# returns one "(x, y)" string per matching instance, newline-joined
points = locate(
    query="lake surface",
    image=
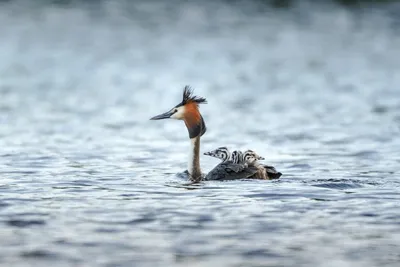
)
(86, 179)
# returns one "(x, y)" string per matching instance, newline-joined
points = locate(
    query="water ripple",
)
(24, 223)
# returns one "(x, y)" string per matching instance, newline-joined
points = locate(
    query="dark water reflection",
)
(87, 180)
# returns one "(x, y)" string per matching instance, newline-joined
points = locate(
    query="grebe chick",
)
(221, 153)
(237, 157)
(225, 155)
(265, 172)
(251, 157)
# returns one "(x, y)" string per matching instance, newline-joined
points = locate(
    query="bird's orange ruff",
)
(192, 115)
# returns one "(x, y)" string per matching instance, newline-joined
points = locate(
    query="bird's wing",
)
(234, 167)
(230, 171)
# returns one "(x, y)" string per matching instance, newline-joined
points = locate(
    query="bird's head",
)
(188, 111)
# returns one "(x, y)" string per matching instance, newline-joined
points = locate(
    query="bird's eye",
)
(175, 110)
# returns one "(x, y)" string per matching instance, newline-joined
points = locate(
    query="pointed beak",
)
(165, 115)
(207, 153)
(261, 158)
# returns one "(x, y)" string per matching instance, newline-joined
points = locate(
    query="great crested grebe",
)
(188, 111)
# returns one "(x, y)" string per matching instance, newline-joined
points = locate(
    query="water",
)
(88, 180)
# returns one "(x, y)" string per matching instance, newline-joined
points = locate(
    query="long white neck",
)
(194, 159)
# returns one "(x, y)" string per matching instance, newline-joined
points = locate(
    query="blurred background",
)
(86, 179)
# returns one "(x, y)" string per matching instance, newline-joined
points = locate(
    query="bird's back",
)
(230, 171)
(272, 173)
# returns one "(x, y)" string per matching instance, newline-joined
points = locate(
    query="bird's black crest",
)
(189, 97)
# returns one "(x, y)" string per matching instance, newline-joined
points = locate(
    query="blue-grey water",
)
(86, 179)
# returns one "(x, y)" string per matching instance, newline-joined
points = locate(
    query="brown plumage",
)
(192, 116)
(193, 120)
(265, 172)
